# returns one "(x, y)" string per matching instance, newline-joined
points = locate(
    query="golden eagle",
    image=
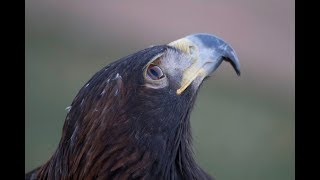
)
(132, 118)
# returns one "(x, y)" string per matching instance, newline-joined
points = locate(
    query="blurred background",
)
(243, 127)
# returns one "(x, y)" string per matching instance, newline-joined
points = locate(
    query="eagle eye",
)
(154, 72)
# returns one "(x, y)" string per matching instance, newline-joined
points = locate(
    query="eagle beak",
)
(207, 52)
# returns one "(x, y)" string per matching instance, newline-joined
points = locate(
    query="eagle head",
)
(131, 120)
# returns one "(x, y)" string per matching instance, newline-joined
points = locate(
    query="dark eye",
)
(154, 72)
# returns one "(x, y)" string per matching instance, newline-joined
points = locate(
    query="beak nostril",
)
(191, 50)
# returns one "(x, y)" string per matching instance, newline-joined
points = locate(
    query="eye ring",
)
(154, 72)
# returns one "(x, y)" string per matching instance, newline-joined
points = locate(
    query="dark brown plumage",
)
(130, 122)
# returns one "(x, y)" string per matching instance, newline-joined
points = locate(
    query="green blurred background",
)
(243, 127)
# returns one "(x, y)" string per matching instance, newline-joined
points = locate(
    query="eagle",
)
(131, 120)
